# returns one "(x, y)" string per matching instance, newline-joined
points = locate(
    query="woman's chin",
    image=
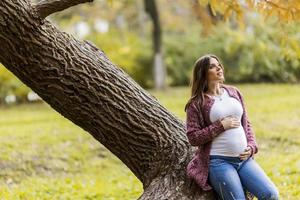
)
(219, 80)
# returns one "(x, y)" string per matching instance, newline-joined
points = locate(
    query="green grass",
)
(44, 156)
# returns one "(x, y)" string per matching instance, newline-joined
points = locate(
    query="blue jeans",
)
(229, 176)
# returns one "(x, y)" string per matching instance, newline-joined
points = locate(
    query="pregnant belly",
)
(231, 142)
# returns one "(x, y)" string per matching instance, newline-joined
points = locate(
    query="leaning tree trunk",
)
(79, 81)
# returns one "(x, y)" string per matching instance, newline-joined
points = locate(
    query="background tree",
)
(159, 69)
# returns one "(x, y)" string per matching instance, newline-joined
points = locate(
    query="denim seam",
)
(221, 191)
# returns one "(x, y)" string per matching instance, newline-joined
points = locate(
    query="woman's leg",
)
(225, 180)
(255, 180)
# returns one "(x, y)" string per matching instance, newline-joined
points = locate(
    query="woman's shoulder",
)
(234, 91)
(231, 87)
(192, 103)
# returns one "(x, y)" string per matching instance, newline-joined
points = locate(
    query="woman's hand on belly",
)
(230, 122)
(246, 153)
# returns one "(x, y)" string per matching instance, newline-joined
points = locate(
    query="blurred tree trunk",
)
(159, 68)
(76, 79)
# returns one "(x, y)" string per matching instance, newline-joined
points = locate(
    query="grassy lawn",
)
(44, 156)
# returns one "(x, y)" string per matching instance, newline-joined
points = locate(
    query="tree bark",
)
(78, 80)
(47, 7)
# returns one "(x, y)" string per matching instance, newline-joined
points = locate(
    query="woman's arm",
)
(247, 126)
(196, 132)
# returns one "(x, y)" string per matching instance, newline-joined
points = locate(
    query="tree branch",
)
(47, 7)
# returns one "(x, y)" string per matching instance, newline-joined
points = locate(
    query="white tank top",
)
(233, 141)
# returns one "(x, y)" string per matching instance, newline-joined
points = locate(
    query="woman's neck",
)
(214, 89)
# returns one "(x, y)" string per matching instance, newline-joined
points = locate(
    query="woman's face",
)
(215, 71)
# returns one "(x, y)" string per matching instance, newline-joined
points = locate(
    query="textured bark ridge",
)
(76, 79)
(47, 7)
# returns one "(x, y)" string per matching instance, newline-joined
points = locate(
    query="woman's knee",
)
(270, 194)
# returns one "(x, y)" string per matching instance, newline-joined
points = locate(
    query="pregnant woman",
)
(218, 125)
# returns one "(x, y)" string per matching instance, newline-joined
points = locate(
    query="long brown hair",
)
(199, 83)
